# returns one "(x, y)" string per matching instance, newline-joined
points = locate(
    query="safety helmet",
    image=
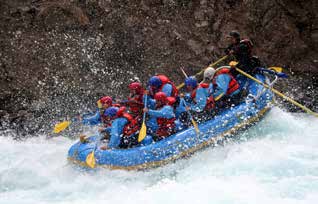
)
(171, 100)
(161, 96)
(106, 100)
(135, 86)
(191, 81)
(155, 81)
(111, 112)
(235, 34)
(208, 73)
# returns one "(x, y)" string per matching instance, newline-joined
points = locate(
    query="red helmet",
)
(136, 86)
(171, 100)
(161, 96)
(106, 100)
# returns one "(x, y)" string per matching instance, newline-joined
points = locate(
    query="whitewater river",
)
(275, 161)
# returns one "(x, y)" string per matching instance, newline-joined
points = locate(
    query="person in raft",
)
(223, 87)
(160, 83)
(123, 131)
(197, 99)
(161, 121)
(135, 99)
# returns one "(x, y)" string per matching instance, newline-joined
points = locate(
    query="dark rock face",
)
(59, 57)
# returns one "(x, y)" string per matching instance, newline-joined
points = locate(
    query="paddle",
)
(143, 129)
(61, 126)
(90, 159)
(210, 65)
(277, 92)
(195, 125)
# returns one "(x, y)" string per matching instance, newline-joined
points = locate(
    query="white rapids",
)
(275, 161)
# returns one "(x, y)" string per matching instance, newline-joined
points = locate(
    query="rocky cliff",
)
(58, 57)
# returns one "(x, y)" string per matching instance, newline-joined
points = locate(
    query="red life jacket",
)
(165, 80)
(106, 121)
(210, 100)
(166, 126)
(249, 45)
(135, 104)
(233, 85)
(116, 105)
(131, 127)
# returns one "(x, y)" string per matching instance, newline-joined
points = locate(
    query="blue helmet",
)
(191, 81)
(111, 111)
(155, 81)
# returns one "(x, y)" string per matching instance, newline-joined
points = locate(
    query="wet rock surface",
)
(58, 57)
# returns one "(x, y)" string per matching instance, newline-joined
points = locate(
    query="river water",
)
(275, 161)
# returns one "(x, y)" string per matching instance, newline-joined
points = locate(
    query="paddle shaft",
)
(278, 93)
(144, 115)
(195, 125)
(185, 74)
(211, 65)
(143, 130)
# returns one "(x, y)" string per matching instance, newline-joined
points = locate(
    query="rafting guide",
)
(163, 122)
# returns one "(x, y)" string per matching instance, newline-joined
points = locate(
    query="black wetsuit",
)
(243, 54)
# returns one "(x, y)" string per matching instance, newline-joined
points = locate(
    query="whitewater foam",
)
(275, 161)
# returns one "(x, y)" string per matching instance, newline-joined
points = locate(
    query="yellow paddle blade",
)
(99, 104)
(195, 125)
(233, 63)
(276, 69)
(90, 160)
(142, 132)
(61, 126)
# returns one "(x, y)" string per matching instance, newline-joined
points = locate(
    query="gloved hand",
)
(233, 64)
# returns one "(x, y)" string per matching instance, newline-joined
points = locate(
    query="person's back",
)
(198, 94)
(159, 83)
(224, 87)
(224, 83)
(242, 52)
(198, 101)
(135, 99)
(123, 130)
(102, 104)
(161, 122)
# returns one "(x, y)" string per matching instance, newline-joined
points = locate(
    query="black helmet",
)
(235, 34)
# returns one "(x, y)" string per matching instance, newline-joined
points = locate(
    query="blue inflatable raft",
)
(182, 143)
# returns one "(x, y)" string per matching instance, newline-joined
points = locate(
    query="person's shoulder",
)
(243, 45)
(167, 107)
(222, 76)
(167, 85)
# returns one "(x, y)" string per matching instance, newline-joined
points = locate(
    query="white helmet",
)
(209, 73)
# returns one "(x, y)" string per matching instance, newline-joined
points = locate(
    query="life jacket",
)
(116, 105)
(166, 126)
(132, 126)
(210, 104)
(233, 85)
(165, 80)
(135, 104)
(249, 45)
(106, 121)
